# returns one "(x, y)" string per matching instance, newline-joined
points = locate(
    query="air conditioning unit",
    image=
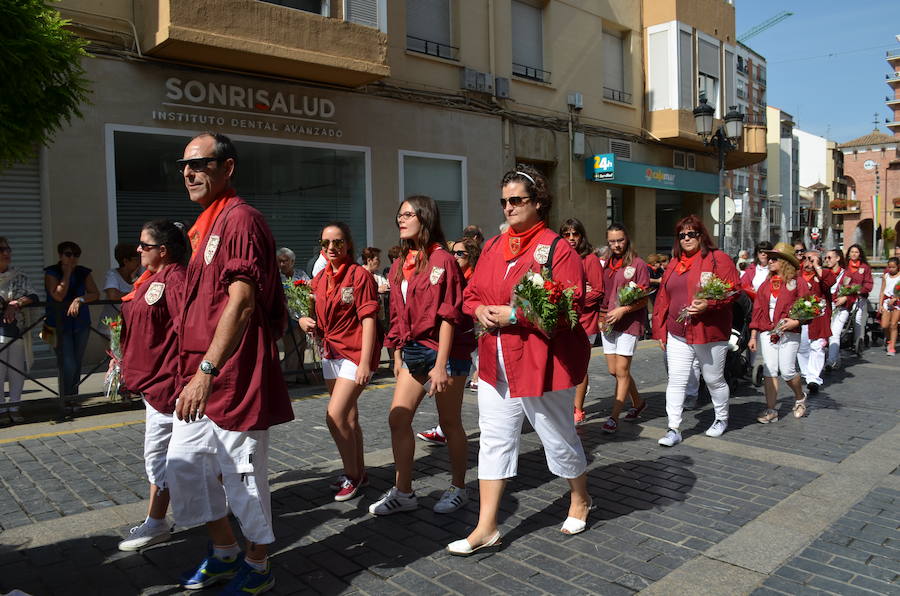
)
(621, 149)
(575, 100)
(501, 87)
(473, 80)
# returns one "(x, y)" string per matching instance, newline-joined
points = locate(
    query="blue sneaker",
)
(250, 581)
(211, 570)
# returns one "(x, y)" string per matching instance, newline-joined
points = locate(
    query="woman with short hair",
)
(523, 373)
(704, 334)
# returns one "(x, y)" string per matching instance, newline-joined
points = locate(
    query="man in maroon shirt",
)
(233, 389)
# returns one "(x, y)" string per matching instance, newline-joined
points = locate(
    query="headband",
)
(527, 176)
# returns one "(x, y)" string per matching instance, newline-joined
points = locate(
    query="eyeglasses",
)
(571, 234)
(685, 235)
(405, 215)
(338, 244)
(198, 164)
(460, 254)
(514, 201)
(145, 246)
(774, 259)
(70, 254)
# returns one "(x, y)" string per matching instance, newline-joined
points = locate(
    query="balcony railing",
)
(893, 53)
(530, 72)
(764, 171)
(616, 95)
(431, 48)
(893, 76)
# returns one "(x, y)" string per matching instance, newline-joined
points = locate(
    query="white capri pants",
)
(339, 368)
(14, 354)
(862, 316)
(680, 357)
(779, 357)
(619, 343)
(199, 452)
(811, 357)
(500, 420)
(157, 435)
(838, 320)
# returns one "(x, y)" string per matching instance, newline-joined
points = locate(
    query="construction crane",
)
(764, 25)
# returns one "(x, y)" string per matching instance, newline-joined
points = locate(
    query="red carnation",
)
(299, 282)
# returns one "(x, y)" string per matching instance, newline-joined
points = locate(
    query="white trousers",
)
(811, 357)
(693, 386)
(838, 320)
(157, 435)
(500, 420)
(14, 354)
(781, 357)
(680, 357)
(861, 318)
(200, 453)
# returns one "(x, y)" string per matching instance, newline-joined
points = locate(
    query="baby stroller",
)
(849, 341)
(739, 357)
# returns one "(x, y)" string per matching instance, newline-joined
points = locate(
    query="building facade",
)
(782, 171)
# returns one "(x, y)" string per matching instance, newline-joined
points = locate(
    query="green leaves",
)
(42, 83)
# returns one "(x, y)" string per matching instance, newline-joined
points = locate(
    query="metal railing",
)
(530, 72)
(892, 53)
(431, 48)
(616, 95)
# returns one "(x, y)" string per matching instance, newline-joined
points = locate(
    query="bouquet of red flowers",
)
(804, 309)
(545, 302)
(849, 289)
(112, 382)
(299, 298)
(628, 294)
(713, 288)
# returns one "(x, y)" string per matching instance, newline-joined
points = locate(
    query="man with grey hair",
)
(293, 344)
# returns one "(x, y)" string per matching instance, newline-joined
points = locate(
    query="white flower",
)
(808, 303)
(535, 279)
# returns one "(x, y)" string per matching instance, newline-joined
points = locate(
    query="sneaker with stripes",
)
(394, 502)
(452, 499)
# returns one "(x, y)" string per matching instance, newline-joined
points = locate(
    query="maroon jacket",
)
(638, 272)
(149, 338)
(820, 287)
(712, 325)
(339, 313)
(861, 277)
(534, 364)
(593, 296)
(432, 296)
(789, 293)
(249, 393)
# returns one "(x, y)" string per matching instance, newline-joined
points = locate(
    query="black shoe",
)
(813, 388)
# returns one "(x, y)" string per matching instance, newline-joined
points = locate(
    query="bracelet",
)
(512, 317)
(81, 299)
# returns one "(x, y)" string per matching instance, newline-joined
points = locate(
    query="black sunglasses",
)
(198, 164)
(460, 254)
(691, 234)
(338, 244)
(145, 246)
(773, 258)
(514, 201)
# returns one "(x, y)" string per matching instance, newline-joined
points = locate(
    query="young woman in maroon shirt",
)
(573, 232)
(346, 304)
(434, 343)
(149, 361)
(860, 273)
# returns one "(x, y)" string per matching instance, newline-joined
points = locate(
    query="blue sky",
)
(826, 63)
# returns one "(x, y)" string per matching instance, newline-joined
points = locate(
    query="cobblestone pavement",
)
(795, 507)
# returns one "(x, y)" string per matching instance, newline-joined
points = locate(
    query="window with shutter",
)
(371, 13)
(614, 67)
(441, 177)
(528, 41)
(685, 70)
(429, 28)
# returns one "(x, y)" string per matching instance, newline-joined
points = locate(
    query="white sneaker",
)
(452, 499)
(673, 437)
(718, 427)
(393, 502)
(146, 535)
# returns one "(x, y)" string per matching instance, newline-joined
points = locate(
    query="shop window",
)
(297, 188)
(429, 28)
(528, 41)
(441, 177)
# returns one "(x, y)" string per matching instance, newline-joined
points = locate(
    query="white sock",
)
(226, 553)
(257, 565)
(153, 523)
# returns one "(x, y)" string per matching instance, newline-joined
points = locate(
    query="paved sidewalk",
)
(804, 506)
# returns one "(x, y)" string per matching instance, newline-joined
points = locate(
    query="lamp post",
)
(724, 139)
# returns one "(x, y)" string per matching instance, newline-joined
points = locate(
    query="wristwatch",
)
(512, 317)
(209, 368)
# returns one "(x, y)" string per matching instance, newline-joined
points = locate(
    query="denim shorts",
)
(419, 360)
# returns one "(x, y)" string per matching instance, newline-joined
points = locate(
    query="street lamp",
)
(724, 139)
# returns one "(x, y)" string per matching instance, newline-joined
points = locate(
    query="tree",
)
(42, 83)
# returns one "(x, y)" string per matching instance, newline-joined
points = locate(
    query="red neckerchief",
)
(517, 243)
(147, 274)
(809, 275)
(409, 264)
(468, 272)
(333, 277)
(853, 266)
(775, 284)
(614, 265)
(685, 262)
(206, 220)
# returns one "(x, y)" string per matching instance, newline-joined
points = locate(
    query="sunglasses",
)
(338, 244)
(70, 254)
(686, 235)
(571, 234)
(145, 246)
(514, 201)
(198, 164)
(460, 254)
(774, 259)
(5, 250)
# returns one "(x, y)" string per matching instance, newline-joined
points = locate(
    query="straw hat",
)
(785, 251)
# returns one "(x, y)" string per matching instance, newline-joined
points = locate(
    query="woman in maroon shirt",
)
(346, 304)
(149, 361)
(704, 335)
(622, 324)
(859, 272)
(434, 343)
(574, 233)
